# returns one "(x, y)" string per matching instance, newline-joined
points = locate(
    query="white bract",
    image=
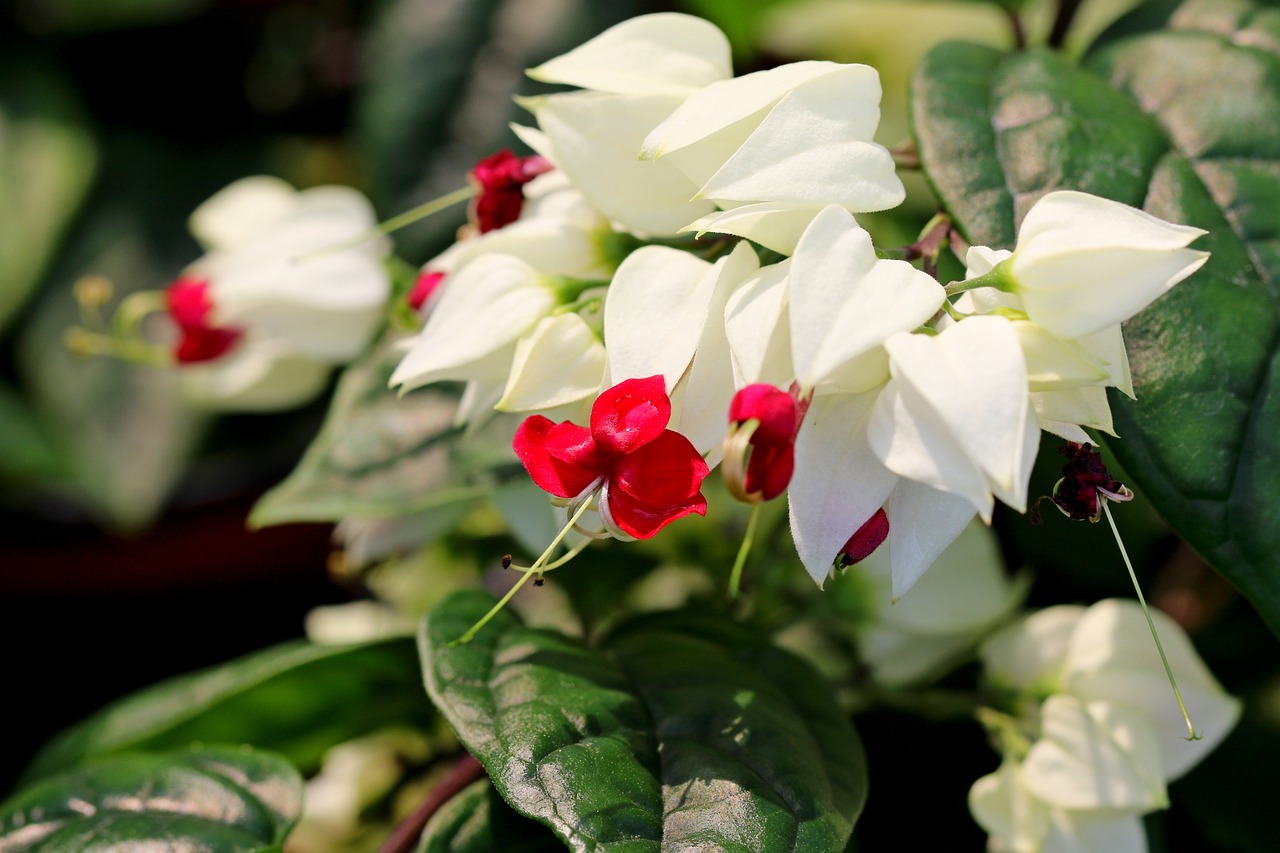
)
(1106, 732)
(289, 271)
(1083, 263)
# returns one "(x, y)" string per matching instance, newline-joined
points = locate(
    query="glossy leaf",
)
(684, 731)
(383, 455)
(297, 699)
(478, 820)
(1180, 121)
(219, 799)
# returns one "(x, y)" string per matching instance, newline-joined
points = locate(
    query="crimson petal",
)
(631, 414)
(667, 472)
(561, 458)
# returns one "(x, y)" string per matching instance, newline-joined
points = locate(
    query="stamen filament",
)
(1192, 734)
(536, 568)
(735, 577)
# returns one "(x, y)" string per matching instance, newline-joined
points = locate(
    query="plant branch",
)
(1062, 23)
(406, 835)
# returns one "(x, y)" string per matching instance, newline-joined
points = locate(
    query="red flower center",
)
(425, 285)
(189, 307)
(1085, 482)
(502, 176)
(648, 475)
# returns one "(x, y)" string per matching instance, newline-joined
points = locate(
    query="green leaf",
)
(222, 799)
(297, 699)
(383, 455)
(28, 453)
(478, 820)
(1182, 123)
(685, 731)
(47, 162)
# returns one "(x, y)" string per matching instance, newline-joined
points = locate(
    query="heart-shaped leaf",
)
(1180, 121)
(383, 455)
(684, 731)
(297, 699)
(221, 799)
(478, 820)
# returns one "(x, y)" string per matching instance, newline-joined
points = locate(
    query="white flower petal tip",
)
(1083, 263)
(664, 52)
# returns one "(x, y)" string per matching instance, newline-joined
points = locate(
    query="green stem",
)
(536, 568)
(735, 577)
(1146, 611)
(995, 278)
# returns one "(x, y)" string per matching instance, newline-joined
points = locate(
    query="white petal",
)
(1054, 363)
(758, 330)
(1064, 412)
(774, 225)
(1002, 805)
(596, 137)
(1095, 756)
(240, 211)
(709, 387)
(1090, 832)
(922, 523)
(980, 260)
(815, 147)
(1067, 218)
(958, 417)
(654, 313)
(555, 245)
(838, 482)
(484, 308)
(665, 52)
(1028, 656)
(256, 376)
(1113, 658)
(845, 302)
(1108, 345)
(558, 362)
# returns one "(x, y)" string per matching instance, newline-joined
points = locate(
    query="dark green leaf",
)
(1181, 122)
(382, 455)
(297, 699)
(684, 731)
(478, 820)
(28, 452)
(47, 161)
(224, 800)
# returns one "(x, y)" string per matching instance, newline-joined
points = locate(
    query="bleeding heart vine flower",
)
(287, 290)
(759, 456)
(1083, 263)
(646, 475)
(501, 177)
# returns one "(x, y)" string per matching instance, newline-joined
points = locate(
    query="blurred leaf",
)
(28, 453)
(47, 162)
(739, 20)
(224, 800)
(478, 820)
(383, 455)
(296, 699)
(684, 730)
(127, 430)
(1180, 122)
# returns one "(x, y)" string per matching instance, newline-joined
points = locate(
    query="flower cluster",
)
(1092, 737)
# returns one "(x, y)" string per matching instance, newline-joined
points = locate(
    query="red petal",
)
(502, 176)
(773, 407)
(425, 285)
(868, 538)
(561, 458)
(189, 306)
(631, 414)
(666, 470)
(641, 521)
(769, 470)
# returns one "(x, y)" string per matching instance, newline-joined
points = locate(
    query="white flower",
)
(963, 596)
(956, 416)
(287, 290)
(1084, 263)
(1107, 730)
(634, 75)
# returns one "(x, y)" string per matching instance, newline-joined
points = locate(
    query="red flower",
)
(425, 285)
(771, 445)
(647, 475)
(868, 537)
(502, 177)
(189, 306)
(1085, 484)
